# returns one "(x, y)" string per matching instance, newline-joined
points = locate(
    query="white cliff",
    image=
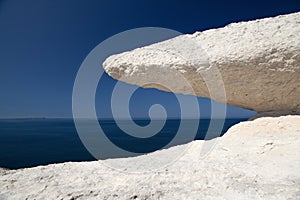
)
(259, 63)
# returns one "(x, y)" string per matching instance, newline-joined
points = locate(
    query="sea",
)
(41, 141)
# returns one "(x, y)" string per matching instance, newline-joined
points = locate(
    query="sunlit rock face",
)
(258, 61)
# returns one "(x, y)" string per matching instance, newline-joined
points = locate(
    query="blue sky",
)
(43, 43)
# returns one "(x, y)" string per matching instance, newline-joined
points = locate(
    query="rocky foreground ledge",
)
(257, 159)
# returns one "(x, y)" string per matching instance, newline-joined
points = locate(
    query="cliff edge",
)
(258, 62)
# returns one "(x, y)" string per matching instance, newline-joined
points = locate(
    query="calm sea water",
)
(32, 142)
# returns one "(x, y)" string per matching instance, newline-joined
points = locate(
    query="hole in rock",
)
(42, 141)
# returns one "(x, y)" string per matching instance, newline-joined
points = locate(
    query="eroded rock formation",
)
(259, 63)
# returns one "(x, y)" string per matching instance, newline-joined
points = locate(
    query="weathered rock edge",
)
(259, 62)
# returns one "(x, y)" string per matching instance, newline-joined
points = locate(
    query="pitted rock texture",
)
(259, 63)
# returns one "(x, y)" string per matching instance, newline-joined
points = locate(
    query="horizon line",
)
(134, 118)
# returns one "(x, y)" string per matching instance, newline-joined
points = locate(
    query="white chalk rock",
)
(259, 64)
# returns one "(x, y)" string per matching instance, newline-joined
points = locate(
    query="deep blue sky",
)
(43, 43)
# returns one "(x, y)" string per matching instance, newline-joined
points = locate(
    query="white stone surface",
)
(257, 159)
(259, 62)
